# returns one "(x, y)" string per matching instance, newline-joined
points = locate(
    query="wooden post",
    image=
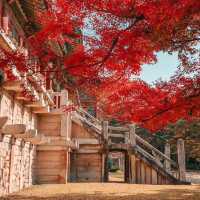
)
(64, 117)
(106, 136)
(103, 167)
(64, 98)
(106, 169)
(127, 168)
(133, 169)
(168, 154)
(105, 130)
(132, 135)
(127, 138)
(181, 159)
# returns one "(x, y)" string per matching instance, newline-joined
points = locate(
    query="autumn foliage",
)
(117, 38)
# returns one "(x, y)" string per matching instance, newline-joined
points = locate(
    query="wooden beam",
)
(87, 141)
(13, 86)
(36, 104)
(120, 129)
(41, 110)
(3, 121)
(14, 129)
(51, 148)
(88, 151)
(117, 135)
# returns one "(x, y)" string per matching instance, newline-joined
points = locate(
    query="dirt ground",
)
(109, 191)
(116, 176)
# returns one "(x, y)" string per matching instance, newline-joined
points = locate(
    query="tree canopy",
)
(116, 39)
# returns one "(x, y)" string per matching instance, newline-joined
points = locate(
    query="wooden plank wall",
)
(143, 173)
(51, 167)
(78, 131)
(86, 163)
(86, 168)
(49, 125)
(53, 158)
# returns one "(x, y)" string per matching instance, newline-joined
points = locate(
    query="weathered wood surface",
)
(87, 141)
(88, 167)
(181, 159)
(132, 135)
(45, 167)
(138, 138)
(167, 164)
(50, 125)
(144, 173)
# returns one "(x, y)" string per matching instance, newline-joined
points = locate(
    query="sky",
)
(164, 68)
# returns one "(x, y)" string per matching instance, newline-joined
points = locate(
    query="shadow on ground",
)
(164, 194)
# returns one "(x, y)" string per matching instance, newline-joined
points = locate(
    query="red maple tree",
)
(118, 38)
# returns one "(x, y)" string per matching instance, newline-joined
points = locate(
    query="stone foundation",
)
(16, 164)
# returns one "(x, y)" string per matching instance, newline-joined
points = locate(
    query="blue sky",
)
(164, 68)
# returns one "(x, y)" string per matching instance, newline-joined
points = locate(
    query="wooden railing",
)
(127, 135)
(60, 100)
(90, 120)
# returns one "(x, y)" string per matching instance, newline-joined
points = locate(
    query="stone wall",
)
(16, 112)
(17, 157)
(16, 164)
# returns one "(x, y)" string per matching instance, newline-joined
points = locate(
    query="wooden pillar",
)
(102, 167)
(127, 168)
(133, 169)
(64, 98)
(106, 169)
(181, 159)
(168, 154)
(132, 135)
(64, 117)
(106, 151)
(105, 130)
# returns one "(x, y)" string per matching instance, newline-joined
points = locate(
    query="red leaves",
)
(123, 36)
(153, 108)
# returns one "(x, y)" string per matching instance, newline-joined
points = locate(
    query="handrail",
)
(97, 129)
(155, 150)
(141, 150)
(82, 111)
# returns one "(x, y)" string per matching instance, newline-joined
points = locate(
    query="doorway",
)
(116, 166)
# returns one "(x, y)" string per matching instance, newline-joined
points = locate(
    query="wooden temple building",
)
(42, 144)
